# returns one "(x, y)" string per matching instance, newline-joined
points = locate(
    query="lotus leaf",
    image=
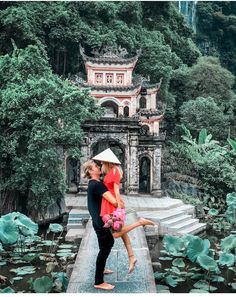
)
(228, 243)
(231, 213)
(175, 270)
(19, 262)
(178, 263)
(55, 228)
(24, 270)
(165, 258)
(159, 275)
(42, 284)
(66, 254)
(226, 259)
(2, 263)
(198, 291)
(49, 242)
(1, 248)
(187, 238)
(161, 288)
(31, 257)
(61, 277)
(207, 263)
(7, 290)
(66, 246)
(197, 276)
(171, 281)
(217, 279)
(231, 198)
(17, 278)
(213, 212)
(204, 285)
(26, 225)
(8, 232)
(173, 244)
(197, 247)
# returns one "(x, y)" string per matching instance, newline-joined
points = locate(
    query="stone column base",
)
(157, 193)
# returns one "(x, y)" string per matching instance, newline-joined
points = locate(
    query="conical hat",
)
(107, 156)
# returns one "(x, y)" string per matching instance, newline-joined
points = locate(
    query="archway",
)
(111, 109)
(117, 149)
(143, 102)
(144, 175)
(126, 111)
(72, 176)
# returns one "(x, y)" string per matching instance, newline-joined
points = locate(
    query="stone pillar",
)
(156, 181)
(83, 184)
(121, 110)
(133, 166)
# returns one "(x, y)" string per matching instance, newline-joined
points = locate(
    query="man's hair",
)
(87, 166)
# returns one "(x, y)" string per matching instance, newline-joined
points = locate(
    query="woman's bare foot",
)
(107, 271)
(145, 222)
(104, 286)
(132, 262)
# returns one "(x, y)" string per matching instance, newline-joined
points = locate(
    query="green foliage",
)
(205, 97)
(213, 164)
(40, 118)
(207, 263)
(197, 247)
(216, 29)
(202, 259)
(204, 113)
(42, 284)
(226, 259)
(55, 228)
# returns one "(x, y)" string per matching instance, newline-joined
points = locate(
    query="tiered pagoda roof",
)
(110, 56)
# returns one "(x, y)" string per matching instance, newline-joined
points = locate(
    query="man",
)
(97, 190)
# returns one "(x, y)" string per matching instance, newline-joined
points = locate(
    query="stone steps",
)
(193, 229)
(172, 215)
(178, 220)
(73, 234)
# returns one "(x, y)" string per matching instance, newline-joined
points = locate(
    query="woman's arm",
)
(120, 201)
(110, 198)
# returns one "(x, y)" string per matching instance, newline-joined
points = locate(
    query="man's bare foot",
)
(104, 286)
(145, 222)
(107, 271)
(132, 262)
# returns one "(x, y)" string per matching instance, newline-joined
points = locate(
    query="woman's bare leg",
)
(128, 246)
(126, 229)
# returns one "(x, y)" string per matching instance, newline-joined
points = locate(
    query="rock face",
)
(53, 212)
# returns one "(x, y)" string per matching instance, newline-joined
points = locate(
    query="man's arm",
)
(109, 197)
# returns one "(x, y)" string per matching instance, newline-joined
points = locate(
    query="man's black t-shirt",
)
(95, 191)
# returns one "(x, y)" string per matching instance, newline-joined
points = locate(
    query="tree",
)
(204, 113)
(40, 118)
(206, 79)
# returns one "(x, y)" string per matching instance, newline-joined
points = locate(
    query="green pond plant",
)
(193, 258)
(20, 245)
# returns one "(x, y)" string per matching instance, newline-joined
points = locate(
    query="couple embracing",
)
(104, 202)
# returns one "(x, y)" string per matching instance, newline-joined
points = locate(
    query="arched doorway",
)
(72, 176)
(117, 149)
(111, 109)
(144, 175)
(126, 111)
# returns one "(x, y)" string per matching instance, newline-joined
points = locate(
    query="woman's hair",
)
(106, 166)
(87, 166)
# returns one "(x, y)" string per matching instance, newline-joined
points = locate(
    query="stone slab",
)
(140, 281)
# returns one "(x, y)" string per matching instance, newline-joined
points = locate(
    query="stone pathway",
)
(140, 281)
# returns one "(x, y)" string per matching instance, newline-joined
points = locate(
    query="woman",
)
(113, 174)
